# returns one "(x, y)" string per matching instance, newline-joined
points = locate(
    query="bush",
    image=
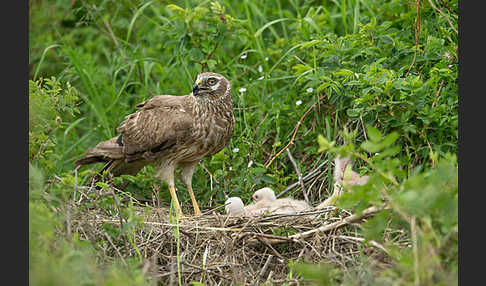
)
(298, 69)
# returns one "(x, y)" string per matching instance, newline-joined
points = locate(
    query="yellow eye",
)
(212, 81)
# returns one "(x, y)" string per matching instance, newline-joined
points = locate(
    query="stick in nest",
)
(325, 228)
(299, 175)
(264, 269)
(306, 178)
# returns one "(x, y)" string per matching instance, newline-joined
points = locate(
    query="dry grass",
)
(216, 249)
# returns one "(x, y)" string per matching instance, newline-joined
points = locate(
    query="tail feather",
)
(121, 167)
(103, 152)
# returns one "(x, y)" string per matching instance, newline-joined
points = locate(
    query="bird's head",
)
(211, 85)
(234, 205)
(264, 194)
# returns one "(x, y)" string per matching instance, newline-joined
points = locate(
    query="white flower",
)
(298, 102)
(230, 168)
(260, 78)
(260, 68)
(242, 90)
(236, 150)
(250, 163)
(309, 90)
(266, 59)
(243, 56)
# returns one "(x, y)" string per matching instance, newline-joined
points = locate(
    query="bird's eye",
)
(212, 81)
(256, 197)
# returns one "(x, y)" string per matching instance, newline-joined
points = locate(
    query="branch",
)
(299, 175)
(295, 132)
(305, 179)
(443, 14)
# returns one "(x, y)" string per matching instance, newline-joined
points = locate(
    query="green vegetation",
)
(374, 79)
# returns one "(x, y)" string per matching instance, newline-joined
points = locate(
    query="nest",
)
(216, 249)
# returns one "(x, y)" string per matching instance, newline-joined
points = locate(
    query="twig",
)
(348, 220)
(299, 175)
(191, 226)
(304, 213)
(207, 171)
(264, 235)
(305, 178)
(447, 7)
(207, 270)
(264, 241)
(360, 239)
(295, 132)
(211, 210)
(264, 269)
(205, 64)
(113, 38)
(443, 14)
(116, 248)
(437, 94)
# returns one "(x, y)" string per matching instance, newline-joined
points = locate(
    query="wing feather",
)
(161, 122)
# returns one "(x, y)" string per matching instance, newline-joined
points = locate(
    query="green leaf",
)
(260, 31)
(324, 144)
(374, 134)
(371, 147)
(103, 185)
(390, 139)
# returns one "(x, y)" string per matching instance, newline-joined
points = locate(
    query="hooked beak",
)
(195, 89)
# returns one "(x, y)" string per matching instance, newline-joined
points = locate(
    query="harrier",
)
(171, 132)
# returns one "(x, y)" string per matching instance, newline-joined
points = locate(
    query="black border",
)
(15, 140)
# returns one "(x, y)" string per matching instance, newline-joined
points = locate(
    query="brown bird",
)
(171, 132)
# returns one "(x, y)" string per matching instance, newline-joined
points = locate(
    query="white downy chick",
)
(265, 199)
(234, 206)
(346, 176)
(343, 176)
(262, 201)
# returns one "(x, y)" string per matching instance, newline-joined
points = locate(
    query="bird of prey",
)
(171, 132)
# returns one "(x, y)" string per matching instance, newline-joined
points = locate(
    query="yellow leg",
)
(176, 202)
(194, 202)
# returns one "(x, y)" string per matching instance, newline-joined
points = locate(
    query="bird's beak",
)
(195, 87)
